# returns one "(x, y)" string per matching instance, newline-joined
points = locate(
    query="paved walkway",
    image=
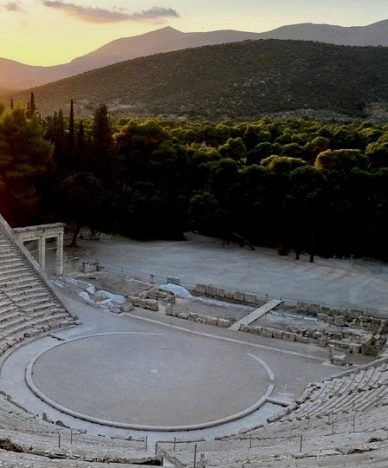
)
(255, 315)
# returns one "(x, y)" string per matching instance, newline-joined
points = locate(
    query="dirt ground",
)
(349, 283)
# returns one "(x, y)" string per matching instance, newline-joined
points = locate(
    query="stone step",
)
(5, 316)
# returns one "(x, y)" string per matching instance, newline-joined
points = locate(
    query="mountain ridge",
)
(241, 80)
(15, 75)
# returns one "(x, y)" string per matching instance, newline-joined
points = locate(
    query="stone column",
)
(42, 252)
(60, 254)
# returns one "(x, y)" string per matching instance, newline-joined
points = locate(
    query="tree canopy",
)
(290, 184)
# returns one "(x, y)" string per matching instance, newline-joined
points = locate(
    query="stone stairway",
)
(28, 305)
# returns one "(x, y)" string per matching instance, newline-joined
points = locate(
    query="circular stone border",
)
(138, 427)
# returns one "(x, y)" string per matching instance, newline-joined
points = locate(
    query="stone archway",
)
(41, 233)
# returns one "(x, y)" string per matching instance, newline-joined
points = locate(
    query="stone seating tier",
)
(337, 416)
(27, 305)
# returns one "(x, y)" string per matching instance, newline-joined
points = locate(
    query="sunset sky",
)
(47, 32)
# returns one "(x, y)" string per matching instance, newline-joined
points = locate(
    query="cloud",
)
(156, 13)
(101, 15)
(13, 6)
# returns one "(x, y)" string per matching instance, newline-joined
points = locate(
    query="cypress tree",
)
(71, 129)
(102, 143)
(31, 107)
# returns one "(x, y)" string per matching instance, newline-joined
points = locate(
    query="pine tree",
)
(25, 157)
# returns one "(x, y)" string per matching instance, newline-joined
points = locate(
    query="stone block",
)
(302, 339)
(200, 289)
(323, 342)
(287, 336)
(173, 280)
(223, 323)
(323, 317)
(220, 293)
(152, 305)
(277, 333)
(313, 308)
(334, 312)
(267, 332)
(183, 315)
(316, 335)
(339, 320)
(354, 348)
(364, 321)
(229, 295)
(169, 299)
(338, 359)
(211, 291)
(89, 267)
(250, 298)
(238, 296)
(152, 294)
(354, 313)
(128, 307)
(212, 321)
(375, 323)
(134, 300)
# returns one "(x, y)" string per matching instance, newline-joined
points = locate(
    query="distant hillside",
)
(16, 75)
(239, 80)
(6, 91)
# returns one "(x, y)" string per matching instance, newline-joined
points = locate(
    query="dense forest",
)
(294, 184)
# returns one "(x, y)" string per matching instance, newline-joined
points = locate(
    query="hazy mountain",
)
(240, 80)
(373, 35)
(162, 40)
(15, 75)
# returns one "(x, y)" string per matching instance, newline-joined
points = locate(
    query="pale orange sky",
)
(48, 32)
